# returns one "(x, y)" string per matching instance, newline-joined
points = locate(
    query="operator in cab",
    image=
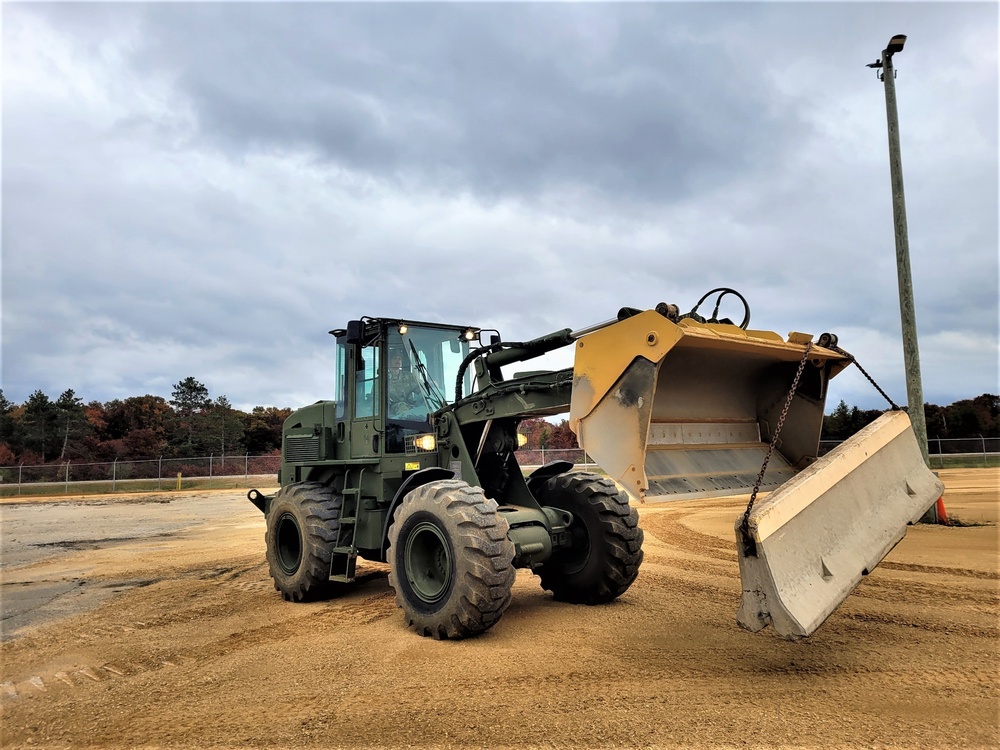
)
(406, 395)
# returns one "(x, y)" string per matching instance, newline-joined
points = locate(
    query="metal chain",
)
(864, 372)
(745, 525)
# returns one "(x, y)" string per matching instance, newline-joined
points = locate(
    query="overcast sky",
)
(206, 189)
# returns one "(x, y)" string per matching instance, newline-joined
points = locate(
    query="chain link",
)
(864, 372)
(745, 525)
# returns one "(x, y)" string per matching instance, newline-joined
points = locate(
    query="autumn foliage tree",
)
(192, 423)
(544, 435)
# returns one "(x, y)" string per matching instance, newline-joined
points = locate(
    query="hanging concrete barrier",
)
(810, 542)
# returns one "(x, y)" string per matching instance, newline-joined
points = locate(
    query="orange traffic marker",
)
(942, 514)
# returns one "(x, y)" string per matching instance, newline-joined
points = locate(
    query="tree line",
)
(968, 418)
(191, 423)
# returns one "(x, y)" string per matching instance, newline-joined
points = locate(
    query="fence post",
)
(246, 466)
(985, 462)
(114, 474)
(66, 489)
(19, 468)
(159, 471)
(210, 455)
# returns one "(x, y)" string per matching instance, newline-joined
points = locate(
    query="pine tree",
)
(190, 400)
(72, 417)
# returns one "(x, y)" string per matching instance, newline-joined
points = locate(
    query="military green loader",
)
(413, 462)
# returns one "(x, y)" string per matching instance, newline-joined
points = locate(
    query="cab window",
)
(340, 377)
(366, 384)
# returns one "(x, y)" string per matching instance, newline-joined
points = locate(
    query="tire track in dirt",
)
(84, 675)
(668, 528)
(698, 563)
(674, 578)
(892, 590)
(350, 610)
(909, 622)
(981, 678)
(986, 575)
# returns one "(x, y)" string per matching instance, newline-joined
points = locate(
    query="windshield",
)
(423, 365)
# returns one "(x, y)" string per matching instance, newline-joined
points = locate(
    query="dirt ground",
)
(151, 621)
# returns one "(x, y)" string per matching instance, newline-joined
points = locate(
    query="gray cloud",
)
(489, 98)
(205, 189)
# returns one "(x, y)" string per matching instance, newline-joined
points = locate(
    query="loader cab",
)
(393, 375)
(422, 363)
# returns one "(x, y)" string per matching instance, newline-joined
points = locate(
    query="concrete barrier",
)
(813, 539)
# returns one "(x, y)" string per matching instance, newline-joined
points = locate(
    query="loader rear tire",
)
(607, 541)
(302, 526)
(450, 560)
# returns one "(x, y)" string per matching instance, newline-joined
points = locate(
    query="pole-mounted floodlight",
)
(896, 44)
(908, 320)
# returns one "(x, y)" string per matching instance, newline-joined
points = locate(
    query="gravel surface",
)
(150, 621)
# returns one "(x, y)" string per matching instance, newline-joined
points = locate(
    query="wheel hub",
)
(428, 562)
(576, 557)
(289, 544)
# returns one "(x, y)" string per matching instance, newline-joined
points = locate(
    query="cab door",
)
(366, 433)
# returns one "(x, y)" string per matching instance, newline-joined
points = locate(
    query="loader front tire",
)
(604, 558)
(302, 526)
(450, 560)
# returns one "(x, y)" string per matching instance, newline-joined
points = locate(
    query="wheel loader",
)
(413, 463)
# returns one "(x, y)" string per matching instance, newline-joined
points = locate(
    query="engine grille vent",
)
(300, 448)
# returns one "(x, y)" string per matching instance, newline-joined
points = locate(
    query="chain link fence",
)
(230, 472)
(529, 459)
(948, 453)
(218, 472)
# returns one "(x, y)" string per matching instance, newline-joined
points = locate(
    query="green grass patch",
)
(55, 489)
(985, 461)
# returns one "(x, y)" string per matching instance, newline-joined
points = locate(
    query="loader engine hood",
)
(687, 410)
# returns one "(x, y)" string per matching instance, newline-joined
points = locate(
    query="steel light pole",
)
(908, 319)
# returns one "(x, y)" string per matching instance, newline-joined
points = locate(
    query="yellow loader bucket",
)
(686, 410)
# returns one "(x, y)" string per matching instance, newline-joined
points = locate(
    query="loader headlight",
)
(469, 334)
(425, 443)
